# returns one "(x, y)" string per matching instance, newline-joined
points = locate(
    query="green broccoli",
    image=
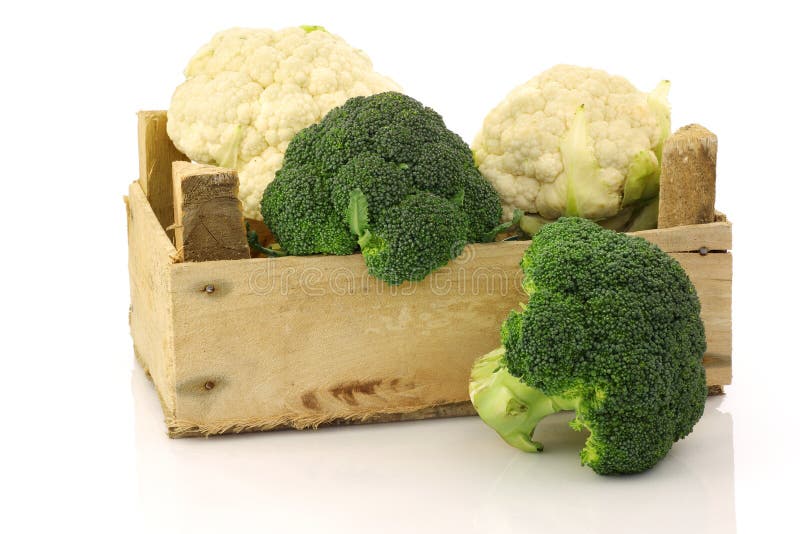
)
(611, 330)
(390, 161)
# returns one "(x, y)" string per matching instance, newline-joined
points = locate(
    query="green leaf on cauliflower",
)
(581, 168)
(657, 101)
(642, 180)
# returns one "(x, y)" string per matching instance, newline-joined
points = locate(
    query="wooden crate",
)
(258, 344)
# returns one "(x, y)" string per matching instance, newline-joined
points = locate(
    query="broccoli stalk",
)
(510, 406)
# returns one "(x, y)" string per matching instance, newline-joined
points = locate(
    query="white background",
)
(85, 448)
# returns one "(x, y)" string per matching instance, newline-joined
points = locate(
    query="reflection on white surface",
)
(442, 475)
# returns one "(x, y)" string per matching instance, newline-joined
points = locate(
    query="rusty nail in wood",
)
(209, 288)
(209, 385)
(703, 251)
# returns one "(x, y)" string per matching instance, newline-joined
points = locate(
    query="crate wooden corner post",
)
(703, 238)
(151, 255)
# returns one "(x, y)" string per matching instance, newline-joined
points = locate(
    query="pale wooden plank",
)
(711, 276)
(303, 341)
(716, 236)
(209, 224)
(149, 260)
(156, 154)
(455, 409)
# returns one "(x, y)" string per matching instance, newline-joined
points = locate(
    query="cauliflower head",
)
(248, 91)
(578, 142)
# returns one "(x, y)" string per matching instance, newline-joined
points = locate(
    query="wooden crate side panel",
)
(712, 276)
(279, 342)
(149, 262)
(713, 236)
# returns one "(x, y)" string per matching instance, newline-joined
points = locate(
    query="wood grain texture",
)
(456, 409)
(150, 256)
(302, 341)
(688, 177)
(711, 276)
(209, 224)
(305, 341)
(716, 236)
(156, 154)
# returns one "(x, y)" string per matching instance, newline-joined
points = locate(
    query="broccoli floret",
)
(416, 237)
(611, 330)
(305, 190)
(425, 199)
(383, 183)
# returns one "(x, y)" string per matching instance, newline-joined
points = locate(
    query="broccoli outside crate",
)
(257, 344)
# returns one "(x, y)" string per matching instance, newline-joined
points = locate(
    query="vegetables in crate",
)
(384, 174)
(248, 91)
(578, 142)
(611, 330)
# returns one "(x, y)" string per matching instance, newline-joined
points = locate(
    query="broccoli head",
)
(611, 330)
(392, 162)
(421, 226)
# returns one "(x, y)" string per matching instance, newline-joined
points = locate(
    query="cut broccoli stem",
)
(510, 406)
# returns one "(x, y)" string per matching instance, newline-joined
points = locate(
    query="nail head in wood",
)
(703, 251)
(209, 385)
(209, 288)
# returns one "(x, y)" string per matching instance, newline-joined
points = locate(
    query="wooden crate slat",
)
(156, 154)
(260, 340)
(291, 336)
(716, 236)
(150, 256)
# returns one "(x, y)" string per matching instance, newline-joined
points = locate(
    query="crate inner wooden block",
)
(263, 343)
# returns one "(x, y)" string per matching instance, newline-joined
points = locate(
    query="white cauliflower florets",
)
(248, 91)
(567, 141)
